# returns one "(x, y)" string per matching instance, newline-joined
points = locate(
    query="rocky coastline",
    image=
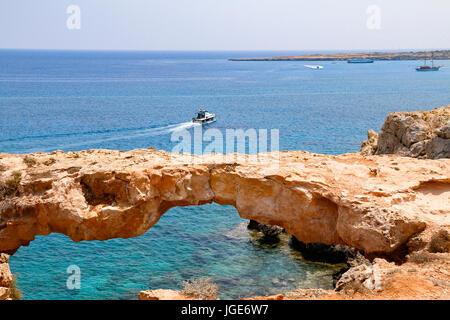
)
(375, 56)
(418, 134)
(386, 215)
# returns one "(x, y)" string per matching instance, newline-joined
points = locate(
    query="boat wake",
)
(183, 126)
(157, 131)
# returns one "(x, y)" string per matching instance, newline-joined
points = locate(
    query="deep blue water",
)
(125, 100)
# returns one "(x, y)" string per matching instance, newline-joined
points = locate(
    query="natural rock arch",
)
(370, 203)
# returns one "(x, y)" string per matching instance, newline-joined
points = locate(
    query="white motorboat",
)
(204, 116)
(313, 66)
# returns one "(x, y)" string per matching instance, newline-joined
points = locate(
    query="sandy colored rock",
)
(420, 134)
(6, 278)
(272, 297)
(4, 293)
(377, 204)
(370, 146)
(162, 294)
(370, 203)
(382, 280)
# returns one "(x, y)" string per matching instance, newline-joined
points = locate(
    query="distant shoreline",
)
(376, 56)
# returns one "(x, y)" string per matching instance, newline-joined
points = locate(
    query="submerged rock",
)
(270, 233)
(254, 225)
(319, 252)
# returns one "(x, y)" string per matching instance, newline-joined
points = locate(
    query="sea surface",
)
(52, 100)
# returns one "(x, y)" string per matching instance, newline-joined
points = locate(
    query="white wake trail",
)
(137, 134)
(184, 126)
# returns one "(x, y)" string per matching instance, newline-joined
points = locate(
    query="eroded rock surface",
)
(419, 134)
(374, 204)
(6, 278)
(163, 294)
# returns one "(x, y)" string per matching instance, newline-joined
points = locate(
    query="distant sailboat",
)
(425, 67)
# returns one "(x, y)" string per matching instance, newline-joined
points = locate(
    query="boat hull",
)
(359, 61)
(424, 70)
(204, 121)
(313, 66)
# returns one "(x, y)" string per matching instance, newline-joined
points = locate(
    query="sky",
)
(225, 24)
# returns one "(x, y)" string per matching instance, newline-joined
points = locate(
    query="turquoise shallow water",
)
(190, 242)
(126, 100)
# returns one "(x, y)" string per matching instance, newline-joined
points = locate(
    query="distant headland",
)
(412, 55)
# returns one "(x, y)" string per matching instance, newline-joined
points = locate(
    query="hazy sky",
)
(226, 24)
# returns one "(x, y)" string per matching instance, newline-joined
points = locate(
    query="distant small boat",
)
(313, 66)
(429, 68)
(357, 60)
(204, 116)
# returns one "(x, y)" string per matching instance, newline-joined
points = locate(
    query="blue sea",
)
(71, 100)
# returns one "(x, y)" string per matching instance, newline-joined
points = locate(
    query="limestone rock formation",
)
(383, 280)
(423, 273)
(6, 277)
(374, 204)
(370, 146)
(419, 134)
(272, 297)
(162, 294)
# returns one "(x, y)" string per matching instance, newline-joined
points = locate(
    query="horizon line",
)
(225, 50)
